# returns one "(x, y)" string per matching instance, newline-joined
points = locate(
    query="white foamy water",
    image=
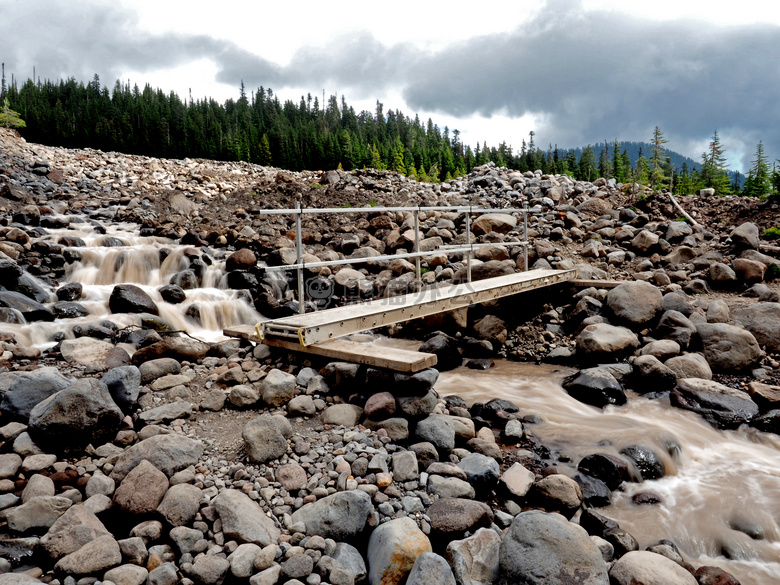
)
(719, 479)
(141, 261)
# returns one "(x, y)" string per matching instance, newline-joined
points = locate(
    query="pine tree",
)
(264, 155)
(641, 170)
(758, 182)
(605, 167)
(714, 172)
(657, 158)
(587, 166)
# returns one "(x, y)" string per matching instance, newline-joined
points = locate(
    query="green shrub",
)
(772, 233)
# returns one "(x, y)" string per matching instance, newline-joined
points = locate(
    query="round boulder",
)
(635, 304)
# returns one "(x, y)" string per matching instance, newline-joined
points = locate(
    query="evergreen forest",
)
(259, 128)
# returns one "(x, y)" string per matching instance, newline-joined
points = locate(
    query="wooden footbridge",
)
(322, 332)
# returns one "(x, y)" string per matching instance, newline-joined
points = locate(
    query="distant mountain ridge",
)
(633, 148)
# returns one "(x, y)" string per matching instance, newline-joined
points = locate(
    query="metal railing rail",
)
(468, 248)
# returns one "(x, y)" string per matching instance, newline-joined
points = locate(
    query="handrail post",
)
(299, 256)
(468, 243)
(417, 246)
(525, 236)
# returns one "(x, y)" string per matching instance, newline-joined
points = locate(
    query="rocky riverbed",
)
(135, 453)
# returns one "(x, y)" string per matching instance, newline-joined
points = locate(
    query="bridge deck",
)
(319, 326)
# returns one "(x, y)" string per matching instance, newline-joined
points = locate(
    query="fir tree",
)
(9, 118)
(657, 158)
(714, 172)
(758, 181)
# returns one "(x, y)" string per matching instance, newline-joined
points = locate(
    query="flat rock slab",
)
(168, 453)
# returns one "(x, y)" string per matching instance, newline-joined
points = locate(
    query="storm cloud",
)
(586, 75)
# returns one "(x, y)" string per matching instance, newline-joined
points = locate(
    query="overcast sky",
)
(574, 71)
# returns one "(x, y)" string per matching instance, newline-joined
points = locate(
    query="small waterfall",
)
(121, 256)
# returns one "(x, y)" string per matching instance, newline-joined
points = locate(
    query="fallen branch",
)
(681, 210)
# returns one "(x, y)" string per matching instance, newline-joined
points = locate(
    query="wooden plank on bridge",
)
(583, 283)
(319, 326)
(401, 360)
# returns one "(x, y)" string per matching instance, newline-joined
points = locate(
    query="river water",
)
(717, 480)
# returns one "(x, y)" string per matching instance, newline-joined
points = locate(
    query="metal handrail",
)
(300, 265)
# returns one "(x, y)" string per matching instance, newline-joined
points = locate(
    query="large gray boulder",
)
(168, 453)
(97, 555)
(278, 388)
(142, 490)
(605, 341)
(452, 517)
(746, 236)
(763, 321)
(393, 549)
(546, 549)
(75, 528)
(635, 304)
(721, 406)
(481, 472)
(263, 439)
(95, 355)
(81, 414)
(244, 520)
(728, 348)
(648, 568)
(28, 389)
(340, 516)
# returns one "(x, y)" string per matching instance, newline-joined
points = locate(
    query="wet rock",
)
(765, 395)
(129, 298)
(446, 350)
(80, 414)
(545, 549)
(168, 453)
(635, 304)
(610, 469)
(650, 375)
(649, 569)
(452, 517)
(622, 542)
(69, 310)
(430, 569)
(721, 406)
(768, 422)
(241, 259)
(142, 490)
(714, 576)
(172, 294)
(595, 493)
(596, 524)
(393, 549)
(341, 516)
(727, 347)
(263, 439)
(475, 559)
(595, 386)
(646, 461)
(30, 309)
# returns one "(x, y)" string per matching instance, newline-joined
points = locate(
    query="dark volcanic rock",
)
(647, 462)
(595, 386)
(31, 310)
(610, 469)
(446, 350)
(81, 414)
(128, 298)
(30, 388)
(721, 406)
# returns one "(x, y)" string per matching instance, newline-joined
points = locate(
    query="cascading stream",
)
(122, 256)
(720, 485)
